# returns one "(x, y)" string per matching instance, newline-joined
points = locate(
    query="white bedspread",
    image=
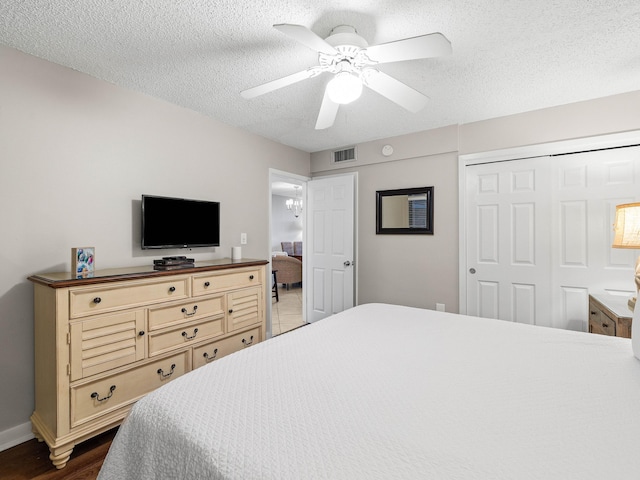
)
(388, 392)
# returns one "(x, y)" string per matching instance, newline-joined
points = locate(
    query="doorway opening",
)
(287, 232)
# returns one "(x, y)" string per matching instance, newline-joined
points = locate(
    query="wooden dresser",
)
(609, 315)
(101, 343)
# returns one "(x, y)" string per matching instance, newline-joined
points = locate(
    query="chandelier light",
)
(295, 205)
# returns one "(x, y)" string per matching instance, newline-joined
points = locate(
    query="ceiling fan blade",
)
(424, 46)
(394, 90)
(302, 34)
(328, 112)
(279, 83)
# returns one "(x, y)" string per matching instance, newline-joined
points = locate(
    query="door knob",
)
(472, 271)
(347, 263)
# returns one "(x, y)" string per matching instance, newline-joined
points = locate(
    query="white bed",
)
(382, 392)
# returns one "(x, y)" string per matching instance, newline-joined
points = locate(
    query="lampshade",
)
(627, 226)
(344, 88)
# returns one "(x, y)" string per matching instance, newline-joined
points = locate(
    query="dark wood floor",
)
(30, 460)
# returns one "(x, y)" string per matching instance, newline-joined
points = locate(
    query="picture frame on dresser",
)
(83, 261)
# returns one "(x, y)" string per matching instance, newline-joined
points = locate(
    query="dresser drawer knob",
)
(246, 344)
(97, 396)
(187, 337)
(250, 277)
(184, 310)
(211, 357)
(141, 333)
(97, 300)
(230, 310)
(172, 289)
(206, 284)
(165, 375)
(605, 325)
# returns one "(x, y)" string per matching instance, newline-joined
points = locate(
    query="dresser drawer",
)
(89, 301)
(220, 348)
(102, 396)
(181, 336)
(244, 308)
(216, 282)
(105, 342)
(166, 316)
(599, 322)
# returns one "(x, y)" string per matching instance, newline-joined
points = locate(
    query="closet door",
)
(539, 234)
(508, 257)
(587, 187)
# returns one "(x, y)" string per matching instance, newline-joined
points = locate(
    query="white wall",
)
(285, 226)
(76, 154)
(617, 113)
(412, 270)
(415, 270)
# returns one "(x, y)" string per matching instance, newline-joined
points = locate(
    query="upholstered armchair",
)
(289, 269)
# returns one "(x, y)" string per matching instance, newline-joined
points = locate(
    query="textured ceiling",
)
(509, 56)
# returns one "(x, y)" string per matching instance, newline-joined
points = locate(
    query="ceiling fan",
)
(351, 60)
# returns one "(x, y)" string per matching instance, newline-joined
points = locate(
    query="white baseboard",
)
(15, 436)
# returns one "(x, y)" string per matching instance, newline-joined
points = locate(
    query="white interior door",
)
(539, 234)
(329, 255)
(587, 187)
(508, 258)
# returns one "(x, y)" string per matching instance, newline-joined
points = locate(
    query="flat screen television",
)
(179, 223)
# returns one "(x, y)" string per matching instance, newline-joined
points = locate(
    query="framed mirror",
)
(405, 211)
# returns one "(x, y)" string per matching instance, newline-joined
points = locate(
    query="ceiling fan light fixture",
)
(351, 60)
(344, 88)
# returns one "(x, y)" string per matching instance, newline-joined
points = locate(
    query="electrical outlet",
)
(440, 307)
(243, 239)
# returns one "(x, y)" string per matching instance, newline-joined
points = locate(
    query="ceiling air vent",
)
(346, 155)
